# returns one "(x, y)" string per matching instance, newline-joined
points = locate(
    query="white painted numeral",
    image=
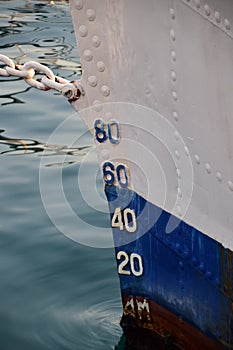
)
(129, 218)
(135, 264)
(117, 219)
(123, 263)
(130, 213)
(133, 258)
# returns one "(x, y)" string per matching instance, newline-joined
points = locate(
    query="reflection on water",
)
(12, 97)
(27, 33)
(27, 146)
(54, 293)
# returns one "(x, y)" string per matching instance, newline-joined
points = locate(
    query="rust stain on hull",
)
(159, 322)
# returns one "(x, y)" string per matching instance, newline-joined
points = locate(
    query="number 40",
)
(128, 219)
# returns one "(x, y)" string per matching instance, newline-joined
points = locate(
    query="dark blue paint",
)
(102, 135)
(119, 169)
(109, 177)
(111, 125)
(185, 271)
(99, 130)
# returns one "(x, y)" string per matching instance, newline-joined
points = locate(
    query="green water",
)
(55, 293)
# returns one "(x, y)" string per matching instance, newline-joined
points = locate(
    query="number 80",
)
(103, 132)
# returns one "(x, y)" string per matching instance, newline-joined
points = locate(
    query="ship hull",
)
(158, 77)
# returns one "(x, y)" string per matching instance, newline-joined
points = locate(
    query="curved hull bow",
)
(158, 80)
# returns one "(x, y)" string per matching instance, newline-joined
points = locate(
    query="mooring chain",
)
(71, 90)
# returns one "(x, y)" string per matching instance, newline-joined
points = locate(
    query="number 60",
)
(111, 174)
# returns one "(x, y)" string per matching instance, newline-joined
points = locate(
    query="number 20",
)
(135, 264)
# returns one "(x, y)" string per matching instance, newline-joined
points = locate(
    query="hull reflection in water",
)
(28, 146)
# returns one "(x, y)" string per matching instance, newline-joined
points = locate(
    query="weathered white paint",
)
(175, 58)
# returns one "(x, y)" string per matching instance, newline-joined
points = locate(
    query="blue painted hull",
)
(185, 272)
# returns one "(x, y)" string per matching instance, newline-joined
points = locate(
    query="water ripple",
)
(54, 294)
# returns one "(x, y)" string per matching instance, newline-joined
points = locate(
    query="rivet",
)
(172, 13)
(100, 66)
(173, 75)
(217, 281)
(197, 159)
(169, 242)
(92, 80)
(95, 41)
(148, 91)
(97, 106)
(177, 136)
(186, 253)
(173, 34)
(79, 4)
(108, 115)
(208, 168)
(175, 115)
(179, 192)
(178, 209)
(197, 3)
(178, 248)
(177, 154)
(209, 274)
(174, 95)
(202, 267)
(194, 261)
(230, 185)
(227, 24)
(181, 285)
(105, 90)
(217, 16)
(83, 31)
(178, 172)
(105, 154)
(181, 265)
(207, 10)
(186, 150)
(90, 15)
(219, 176)
(173, 56)
(88, 55)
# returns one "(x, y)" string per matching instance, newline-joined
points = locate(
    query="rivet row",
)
(173, 60)
(213, 16)
(88, 54)
(208, 169)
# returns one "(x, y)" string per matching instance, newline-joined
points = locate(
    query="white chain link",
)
(71, 90)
